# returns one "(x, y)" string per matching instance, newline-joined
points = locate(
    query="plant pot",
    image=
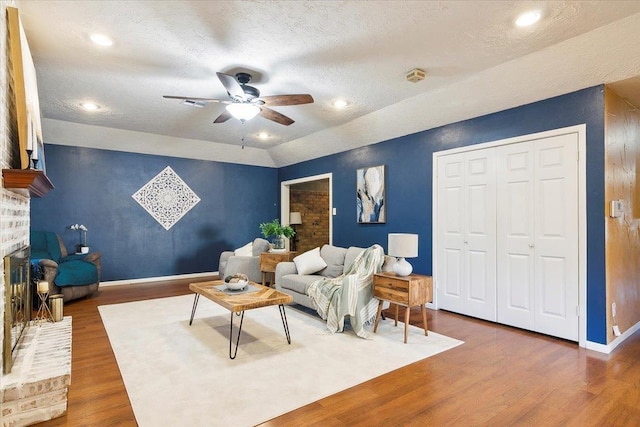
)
(278, 243)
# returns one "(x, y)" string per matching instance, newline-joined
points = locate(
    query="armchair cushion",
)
(45, 245)
(259, 246)
(75, 273)
(246, 250)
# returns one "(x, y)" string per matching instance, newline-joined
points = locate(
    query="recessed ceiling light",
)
(528, 18)
(339, 103)
(263, 136)
(90, 106)
(101, 39)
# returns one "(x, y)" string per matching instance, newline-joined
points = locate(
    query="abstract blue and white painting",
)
(370, 197)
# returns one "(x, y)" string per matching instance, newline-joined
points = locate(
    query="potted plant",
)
(277, 232)
(82, 246)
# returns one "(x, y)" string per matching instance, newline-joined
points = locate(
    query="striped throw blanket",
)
(350, 294)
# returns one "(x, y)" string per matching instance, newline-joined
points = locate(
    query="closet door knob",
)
(531, 245)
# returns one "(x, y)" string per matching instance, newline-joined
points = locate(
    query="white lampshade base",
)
(402, 267)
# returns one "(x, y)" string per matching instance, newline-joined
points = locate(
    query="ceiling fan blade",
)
(187, 98)
(281, 100)
(233, 87)
(223, 117)
(272, 115)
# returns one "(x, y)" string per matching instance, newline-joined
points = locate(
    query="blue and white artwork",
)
(370, 197)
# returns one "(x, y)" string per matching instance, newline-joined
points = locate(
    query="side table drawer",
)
(391, 289)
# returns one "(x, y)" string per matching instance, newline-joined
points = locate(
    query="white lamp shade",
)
(243, 111)
(403, 245)
(295, 218)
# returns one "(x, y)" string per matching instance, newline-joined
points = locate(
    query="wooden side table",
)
(407, 291)
(269, 260)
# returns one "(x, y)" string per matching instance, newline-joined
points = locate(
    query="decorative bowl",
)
(237, 286)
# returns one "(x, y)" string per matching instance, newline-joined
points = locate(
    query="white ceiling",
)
(476, 60)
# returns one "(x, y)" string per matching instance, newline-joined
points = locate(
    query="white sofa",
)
(338, 261)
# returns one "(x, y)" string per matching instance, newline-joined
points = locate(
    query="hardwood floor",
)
(501, 376)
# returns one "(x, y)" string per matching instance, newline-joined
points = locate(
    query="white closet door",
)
(466, 234)
(480, 234)
(537, 247)
(556, 236)
(451, 210)
(515, 245)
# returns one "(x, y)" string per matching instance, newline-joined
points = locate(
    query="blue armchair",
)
(73, 276)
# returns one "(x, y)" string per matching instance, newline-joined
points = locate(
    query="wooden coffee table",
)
(239, 302)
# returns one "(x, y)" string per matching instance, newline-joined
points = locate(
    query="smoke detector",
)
(416, 75)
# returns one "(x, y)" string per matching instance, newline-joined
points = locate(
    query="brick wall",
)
(14, 207)
(314, 208)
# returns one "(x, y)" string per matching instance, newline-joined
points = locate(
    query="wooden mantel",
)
(33, 180)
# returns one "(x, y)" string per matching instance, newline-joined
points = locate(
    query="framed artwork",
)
(371, 206)
(25, 89)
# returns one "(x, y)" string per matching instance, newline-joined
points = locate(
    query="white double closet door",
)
(507, 237)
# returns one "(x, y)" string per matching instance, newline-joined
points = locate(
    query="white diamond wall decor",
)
(166, 197)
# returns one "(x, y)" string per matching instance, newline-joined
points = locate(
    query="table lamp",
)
(402, 245)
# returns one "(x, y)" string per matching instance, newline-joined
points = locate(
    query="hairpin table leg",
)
(283, 316)
(193, 310)
(241, 314)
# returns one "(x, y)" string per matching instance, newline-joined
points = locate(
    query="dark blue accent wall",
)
(409, 176)
(94, 187)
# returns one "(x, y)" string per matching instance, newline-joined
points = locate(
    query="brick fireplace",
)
(37, 387)
(34, 390)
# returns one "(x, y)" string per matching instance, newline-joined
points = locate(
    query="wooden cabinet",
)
(269, 261)
(406, 291)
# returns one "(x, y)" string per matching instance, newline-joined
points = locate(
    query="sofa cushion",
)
(334, 257)
(309, 262)
(297, 282)
(246, 250)
(351, 255)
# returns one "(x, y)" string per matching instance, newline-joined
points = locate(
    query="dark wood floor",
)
(501, 376)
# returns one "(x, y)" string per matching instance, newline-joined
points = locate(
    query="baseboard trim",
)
(156, 279)
(608, 348)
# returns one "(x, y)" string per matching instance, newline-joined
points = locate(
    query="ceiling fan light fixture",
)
(243, 112)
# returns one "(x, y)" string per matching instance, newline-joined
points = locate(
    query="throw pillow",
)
(246, 250)
(309, 262)
(334, 257)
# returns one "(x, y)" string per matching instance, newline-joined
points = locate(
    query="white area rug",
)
(176, 374)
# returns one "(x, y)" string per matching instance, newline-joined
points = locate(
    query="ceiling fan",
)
(246, 102)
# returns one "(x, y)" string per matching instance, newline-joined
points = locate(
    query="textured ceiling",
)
(476, 60)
